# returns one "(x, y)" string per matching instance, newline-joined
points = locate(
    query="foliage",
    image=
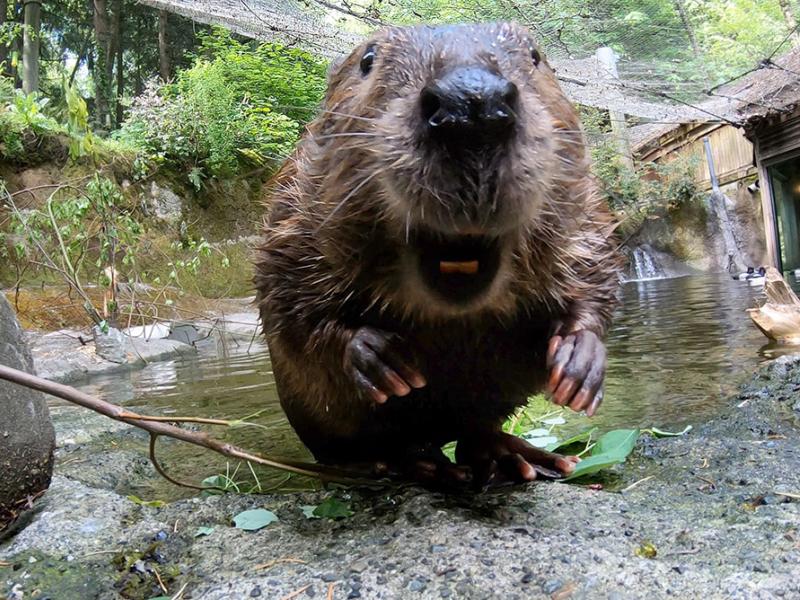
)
(237, 106)
(650, 188)
(22, 117)
(92, 234)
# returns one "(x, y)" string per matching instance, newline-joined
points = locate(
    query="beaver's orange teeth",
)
(468, 267)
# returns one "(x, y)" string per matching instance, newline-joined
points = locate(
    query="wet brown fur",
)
(332, 257)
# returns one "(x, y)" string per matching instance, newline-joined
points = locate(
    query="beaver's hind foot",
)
(496, 457)
(424, 464)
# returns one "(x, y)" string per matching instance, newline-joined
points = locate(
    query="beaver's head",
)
(464, 137)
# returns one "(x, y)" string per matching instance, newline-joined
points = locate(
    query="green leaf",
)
(612, 448)
(201, 531)
(151, 503)
(333, 508)
(542, 442)
(253, 520)
(578, 437)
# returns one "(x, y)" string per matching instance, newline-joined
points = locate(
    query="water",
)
(718, 204)
(644, 265)
(678, 348)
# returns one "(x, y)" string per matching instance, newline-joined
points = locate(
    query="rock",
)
(40, 182)
(153, 331)
(110, 345)
(166, 204)
(185, 333)
(27, 438)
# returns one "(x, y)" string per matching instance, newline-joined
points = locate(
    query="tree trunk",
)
(3, 47)
(81, 57)
(163, 46)
(104, 65)
(17, 45)
(791, 22)
(30, 46)
(687, 25)
(120, 62)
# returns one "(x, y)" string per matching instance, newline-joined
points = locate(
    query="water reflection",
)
(677, 348)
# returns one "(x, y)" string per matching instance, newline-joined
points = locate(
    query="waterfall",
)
(733, 256)
(644, 265)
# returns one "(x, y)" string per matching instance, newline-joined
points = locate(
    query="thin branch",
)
(197, 438)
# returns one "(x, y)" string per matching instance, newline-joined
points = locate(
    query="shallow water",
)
(677, 348)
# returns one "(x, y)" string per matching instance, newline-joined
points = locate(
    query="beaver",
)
(434, 252)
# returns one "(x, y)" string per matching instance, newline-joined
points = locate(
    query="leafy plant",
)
(238, 106)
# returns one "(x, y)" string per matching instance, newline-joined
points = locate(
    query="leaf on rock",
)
(253, 520)
(201, 531)
(333, 508)
(659, 433)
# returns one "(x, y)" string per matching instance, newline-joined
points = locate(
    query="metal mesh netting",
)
(657, 86)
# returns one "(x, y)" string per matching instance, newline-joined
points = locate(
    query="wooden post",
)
(30, 46)
(768, 210)
(619, 128)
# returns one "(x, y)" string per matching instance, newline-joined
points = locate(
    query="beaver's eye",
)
(367, 60)
(537, 58)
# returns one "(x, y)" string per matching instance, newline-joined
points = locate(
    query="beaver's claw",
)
(577, 364)
(380, 366)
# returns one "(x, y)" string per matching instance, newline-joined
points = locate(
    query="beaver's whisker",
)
(347, 115)
(345, 135)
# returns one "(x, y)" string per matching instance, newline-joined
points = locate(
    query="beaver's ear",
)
(335, 66)
(338, 72)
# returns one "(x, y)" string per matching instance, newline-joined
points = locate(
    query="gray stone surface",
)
(27, 438)
(165, 203)
(719, 506)
(68, 356)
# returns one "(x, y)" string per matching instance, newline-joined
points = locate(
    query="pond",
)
(677, 349)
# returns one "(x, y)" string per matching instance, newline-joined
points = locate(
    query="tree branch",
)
(197, 438)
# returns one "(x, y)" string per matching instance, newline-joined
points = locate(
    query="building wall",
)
(690, 233)
(731, 151)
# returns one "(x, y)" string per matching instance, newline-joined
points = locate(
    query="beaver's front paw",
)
(577, 365)
(380, 365)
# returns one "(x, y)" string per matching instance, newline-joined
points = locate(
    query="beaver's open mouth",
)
(457, 267)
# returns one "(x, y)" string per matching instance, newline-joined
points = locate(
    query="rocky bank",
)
(715, 514)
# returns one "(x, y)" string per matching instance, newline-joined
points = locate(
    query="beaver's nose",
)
(470, 104)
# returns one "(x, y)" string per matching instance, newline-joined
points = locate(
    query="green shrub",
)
(237, 107)
(25, 119)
